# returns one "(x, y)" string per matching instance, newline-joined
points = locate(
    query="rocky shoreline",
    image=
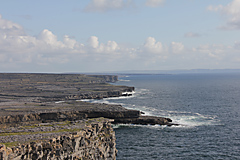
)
(53, 97)
(37, 107)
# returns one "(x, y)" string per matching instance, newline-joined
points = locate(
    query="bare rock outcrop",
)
(145, 120)
(94, 141)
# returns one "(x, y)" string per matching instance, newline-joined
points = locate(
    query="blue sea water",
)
(206, 105)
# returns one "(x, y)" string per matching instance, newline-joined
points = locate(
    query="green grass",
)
(10, 144)
(32, 126)
(64, 123)
(50, 125)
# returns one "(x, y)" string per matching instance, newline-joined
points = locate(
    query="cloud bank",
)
(45, 52)
(231, 12)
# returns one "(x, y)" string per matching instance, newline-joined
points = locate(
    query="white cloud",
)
(70, 43)
(10, 28)
(152, 46)
(50, 39)
(17, 49)
(177, 47)
(213, 51)
(154, 3)
(14, 43)
(93, 41)
(231, 11)
(101, 48)
(111, 46)
(107, 5)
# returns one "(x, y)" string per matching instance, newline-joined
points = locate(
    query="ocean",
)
(207, 107)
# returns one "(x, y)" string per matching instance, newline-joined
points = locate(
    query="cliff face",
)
(106, 78)
(100, 95)
(29, 113)
(94, 141)
(29, 100)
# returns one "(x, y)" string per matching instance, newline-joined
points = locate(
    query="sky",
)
(118, 35)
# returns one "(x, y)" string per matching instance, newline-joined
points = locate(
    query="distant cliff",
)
(106, 78)
(57, 87)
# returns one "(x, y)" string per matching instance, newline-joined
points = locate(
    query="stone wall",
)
(94, 141)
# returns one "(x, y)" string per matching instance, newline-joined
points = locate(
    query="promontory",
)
(42, 116)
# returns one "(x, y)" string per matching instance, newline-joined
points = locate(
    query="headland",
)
(41, 117)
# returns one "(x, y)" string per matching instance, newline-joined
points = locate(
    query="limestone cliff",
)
(94, 140)
(41, 117)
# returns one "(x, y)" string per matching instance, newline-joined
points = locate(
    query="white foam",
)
(142, 93)
(194, 120)
(124, 80)
(60, 102)
(115, 126)
(185, 119)
(121, 97)
(129, 92)
(104, 101)
(84, 100)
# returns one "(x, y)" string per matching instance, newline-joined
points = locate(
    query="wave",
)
(124, 80)
(194, 120)
(184, 118)
(107, 100)
(183, 121)
(116, 98)
(60, 102)
(99, 101)
(118, 126)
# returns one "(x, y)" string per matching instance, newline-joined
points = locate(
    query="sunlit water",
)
(207, 107)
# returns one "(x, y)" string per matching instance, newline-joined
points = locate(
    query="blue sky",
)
(118, 35)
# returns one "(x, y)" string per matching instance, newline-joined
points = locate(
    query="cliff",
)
(42, 116)
(57, 87)
(91, 139)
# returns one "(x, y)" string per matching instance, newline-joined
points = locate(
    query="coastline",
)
(30, 99)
